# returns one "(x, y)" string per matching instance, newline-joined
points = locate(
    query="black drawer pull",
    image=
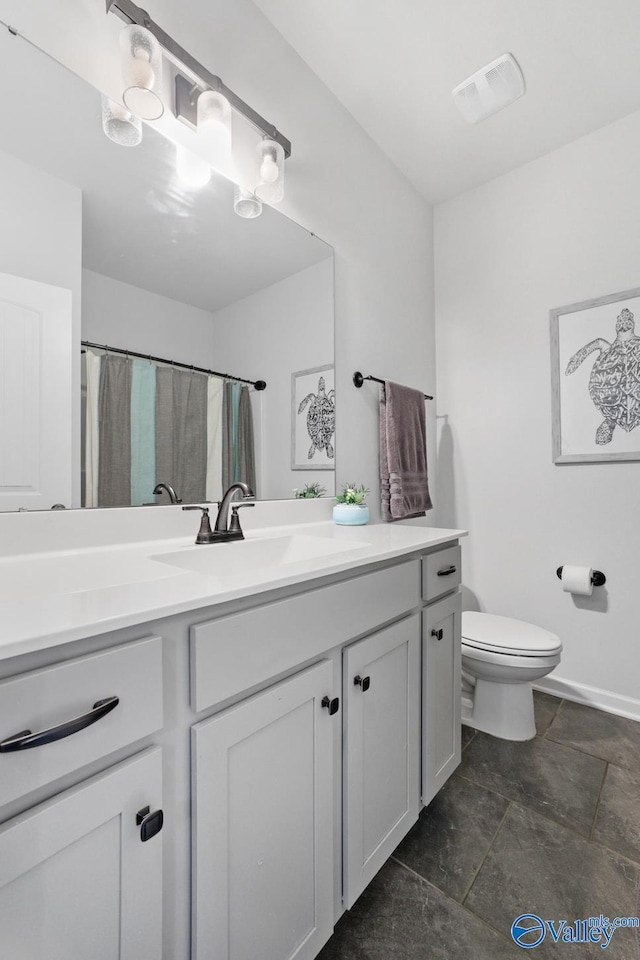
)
(448, 571)
(364, 682)
(438, 634)
(331, 705)
(25, 740)
(150, 823)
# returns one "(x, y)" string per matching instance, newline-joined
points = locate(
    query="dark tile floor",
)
(550, 827)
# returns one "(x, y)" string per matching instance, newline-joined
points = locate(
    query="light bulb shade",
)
(246, 204)
(142, 72)
(192, 170)
(120, 125)
(214, 128)
(270, 186)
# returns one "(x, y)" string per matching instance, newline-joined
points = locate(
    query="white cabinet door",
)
(75, 879)
(441, 693)
(263, 824)
(36, 413)
(382, 749)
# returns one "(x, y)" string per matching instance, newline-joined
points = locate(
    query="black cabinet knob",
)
(331, 705)
(364, 682)
(150, 823)
(438, 634)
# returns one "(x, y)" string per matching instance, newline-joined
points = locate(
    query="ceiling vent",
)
(489, 89)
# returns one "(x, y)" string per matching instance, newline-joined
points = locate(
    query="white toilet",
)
(501, 658)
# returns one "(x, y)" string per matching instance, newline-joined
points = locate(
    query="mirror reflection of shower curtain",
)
(114, 424)
(91, 430)
(147, 422)
(181, 431)
(238, 454)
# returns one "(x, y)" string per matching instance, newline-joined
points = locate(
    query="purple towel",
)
(404, 488)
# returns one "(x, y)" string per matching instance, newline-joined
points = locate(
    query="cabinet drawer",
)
(51, 697)
(235, 653)
(440, 572)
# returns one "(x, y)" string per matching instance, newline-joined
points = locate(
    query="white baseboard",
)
(591, 697)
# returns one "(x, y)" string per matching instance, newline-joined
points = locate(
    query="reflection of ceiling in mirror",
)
(140, 225)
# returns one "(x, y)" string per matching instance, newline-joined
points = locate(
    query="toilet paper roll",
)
(577, 580)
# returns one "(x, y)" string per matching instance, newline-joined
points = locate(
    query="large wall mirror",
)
(104, 244)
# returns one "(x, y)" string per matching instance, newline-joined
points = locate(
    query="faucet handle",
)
(234, 526)
(205, 533)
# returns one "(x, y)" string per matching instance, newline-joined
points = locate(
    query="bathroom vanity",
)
(285, 706)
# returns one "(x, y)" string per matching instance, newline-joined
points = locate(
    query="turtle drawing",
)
(321, 419)
(614, 384)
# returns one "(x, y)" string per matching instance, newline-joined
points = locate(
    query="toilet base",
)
(504, 710)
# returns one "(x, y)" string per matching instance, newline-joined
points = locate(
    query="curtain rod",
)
(258, 384)
(358, 380)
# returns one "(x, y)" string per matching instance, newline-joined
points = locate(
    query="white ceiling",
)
(393, 64)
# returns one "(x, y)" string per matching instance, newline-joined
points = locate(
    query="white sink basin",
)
(247, 556)
(28, 578)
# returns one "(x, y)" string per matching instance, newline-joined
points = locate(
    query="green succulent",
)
(310, 491)
(351, 493)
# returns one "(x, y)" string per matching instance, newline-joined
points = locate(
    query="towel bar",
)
(358, 380)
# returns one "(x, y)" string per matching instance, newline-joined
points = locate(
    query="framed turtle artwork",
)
(595, 378)
(313, 419)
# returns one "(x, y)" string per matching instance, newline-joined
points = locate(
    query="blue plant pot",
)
(351, 514)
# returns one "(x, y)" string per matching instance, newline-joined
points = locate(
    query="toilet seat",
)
(506, 636)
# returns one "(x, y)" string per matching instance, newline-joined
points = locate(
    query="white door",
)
(36, 355)
(76, 880)
(441, 693)
(382, 749)
(263, 824)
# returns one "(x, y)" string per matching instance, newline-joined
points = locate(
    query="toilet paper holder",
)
(598, 578)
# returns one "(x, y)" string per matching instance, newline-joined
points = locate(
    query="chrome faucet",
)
(173, 496)
(223, 531)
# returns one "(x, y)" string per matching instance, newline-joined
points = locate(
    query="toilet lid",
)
(505, 635)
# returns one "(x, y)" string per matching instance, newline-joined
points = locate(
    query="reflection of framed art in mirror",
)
(313, 419)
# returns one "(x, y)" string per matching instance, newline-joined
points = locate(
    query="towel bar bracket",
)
(359, 379)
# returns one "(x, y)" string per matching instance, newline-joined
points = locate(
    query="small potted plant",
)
(310, 491)
(351, 508)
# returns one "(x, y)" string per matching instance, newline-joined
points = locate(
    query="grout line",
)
(616, 853)
(555, 714)
(556, 823)
(522, 803)
(451, 899)
(487, 852)
(470, 740)
(585, 753)
(597, 809)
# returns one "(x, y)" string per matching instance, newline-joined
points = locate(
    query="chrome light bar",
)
(199, 75)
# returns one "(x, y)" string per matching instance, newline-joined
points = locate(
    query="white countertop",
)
(51, 598)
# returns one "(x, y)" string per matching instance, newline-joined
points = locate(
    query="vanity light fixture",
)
(141, 72)
(246, 204)
(202, 101)
(119, 124)
(214, 127)
(270, 186)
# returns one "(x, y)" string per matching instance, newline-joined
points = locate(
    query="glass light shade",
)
(141, 71)
(120, 125)
(214, 127)
(192, 170)
(246, 204)
(270, 186)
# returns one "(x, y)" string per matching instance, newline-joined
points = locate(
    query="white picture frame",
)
(595, 379)
(313, 418)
